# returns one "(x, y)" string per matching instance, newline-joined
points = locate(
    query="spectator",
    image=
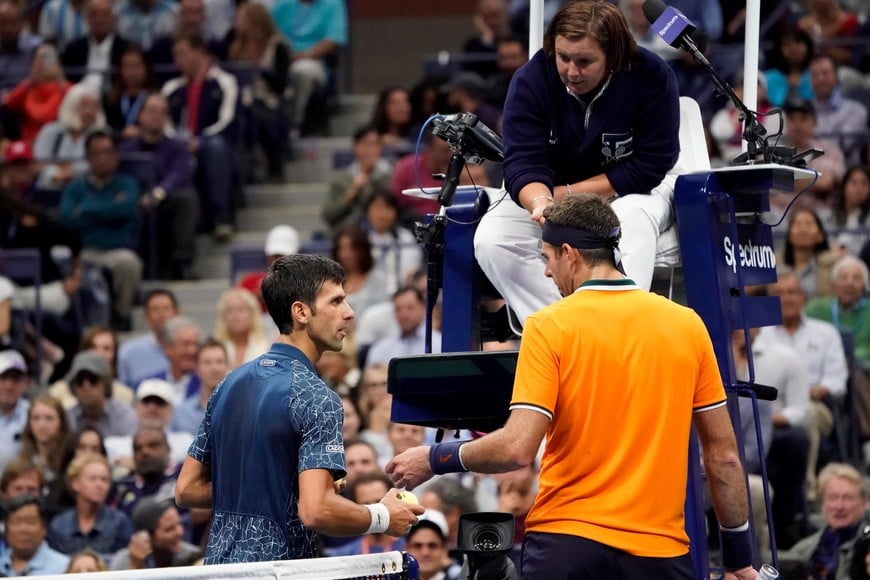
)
(851, 209)
(142, 357)
(45, 437)
(392, 117)
(155, 409)
(402, 437)
(103, 341)
(36, 99)
(92, 57)
(339, 370)
(257, 43)
(491, 22)
(808, 253)
(351, 425)
(202, 105)
(396, 251)
(511, 54)
(350, 188)
(466, 93)
(642, 31)
(14, 379)
(360, 458)
(158, 541)
(28, 554)
(800, 130)
(60, 145)
(142, 21)
(818, 344)
(375, 405)
(62, 21)
(516, 494)
(316, 31)
(85, 561)
(239, 327)
(426, 100)
(21, 477)
(828, 552)
(788, 77)
(828, 21)
(91, 384)
(433, 160)
(280, 241)
(153, 470)
(125, 99)
(6, 291)
(427, 542)
(837, 117)
(847, 308)
(24, 224)
(364, 490)
(179, 340)
(87, 440)
(163, 167)
(410, 311)
(103, 207)
(211, 368)
(191, 20)
(17, 46)
(727, 128)
(91, 523)
(352, 249)
(448, 496)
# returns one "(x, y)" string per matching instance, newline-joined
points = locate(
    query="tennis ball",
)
(407, 497)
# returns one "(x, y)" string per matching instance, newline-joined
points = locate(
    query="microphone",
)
(675, 29)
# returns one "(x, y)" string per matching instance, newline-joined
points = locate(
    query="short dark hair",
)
(588, 212)
(418, 294)
(359, 241)
(160, 292)
(364, 478)
(16, 468)
(194, 39)
(599, 20)
(98, 134)
(453, 495)
(18, 502)
(210, 343)
(386, 196)
(296, 278)
(364, 130)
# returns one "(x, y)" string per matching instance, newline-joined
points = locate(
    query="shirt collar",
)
(609, 285)
(834, 102)
(289, 351)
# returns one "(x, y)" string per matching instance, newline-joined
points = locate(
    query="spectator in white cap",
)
(13, 406)
(91, 382)
(154, 408)
(427, 542)
(281, 241)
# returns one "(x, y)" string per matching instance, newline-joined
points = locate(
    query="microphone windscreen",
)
(652, 9)
(673, 27)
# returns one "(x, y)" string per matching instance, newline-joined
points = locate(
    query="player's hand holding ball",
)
(404, 509)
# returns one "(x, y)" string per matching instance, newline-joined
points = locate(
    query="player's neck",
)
(303, 342)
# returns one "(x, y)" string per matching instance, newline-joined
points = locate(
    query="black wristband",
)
(444, 458)
(736, 548)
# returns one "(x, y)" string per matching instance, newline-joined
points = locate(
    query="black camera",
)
(485, 538)
(469, 137)
(858, 569)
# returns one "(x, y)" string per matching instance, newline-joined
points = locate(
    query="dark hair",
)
(380, 120)
(825, 56)
(160, 292)
(777, 60)
(362, 131)
(599, 20)
(18, 502)
(359, 241)
(839, 200)
(418, 94)
(210, 343)
(194, 39)
(358, 442)
(117, 90)
(410, 290)
(384, 195)
(91, 333)
(296, 278)
(588, 212)
(453, 495)
(16, 468)
(365, 478)
(788, 255)
(98, 134)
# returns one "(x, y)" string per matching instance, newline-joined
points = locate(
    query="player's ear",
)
(300, 312)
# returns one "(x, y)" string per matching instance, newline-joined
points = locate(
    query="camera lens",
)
(487, 539)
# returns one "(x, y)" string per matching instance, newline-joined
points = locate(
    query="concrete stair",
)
(295, 202)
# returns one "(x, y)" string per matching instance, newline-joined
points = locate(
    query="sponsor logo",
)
(334, 448)
(445, 458)
(750, 255)
(267, 362)
(670, 23)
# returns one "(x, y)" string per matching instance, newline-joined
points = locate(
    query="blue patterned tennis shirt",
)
(269, 420)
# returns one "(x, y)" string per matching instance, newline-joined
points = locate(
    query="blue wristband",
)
(736, 547)
(444, 458)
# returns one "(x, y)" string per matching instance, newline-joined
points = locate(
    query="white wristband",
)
(380, 518)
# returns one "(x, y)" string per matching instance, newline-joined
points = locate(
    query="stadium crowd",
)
(128, 128)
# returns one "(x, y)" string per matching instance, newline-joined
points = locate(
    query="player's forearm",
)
(727, 483)
(336, 516)
(196, 494)
(495, 453)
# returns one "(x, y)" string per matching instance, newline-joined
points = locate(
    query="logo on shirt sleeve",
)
(334, 448)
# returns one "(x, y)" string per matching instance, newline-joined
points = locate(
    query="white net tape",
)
(388, 564)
